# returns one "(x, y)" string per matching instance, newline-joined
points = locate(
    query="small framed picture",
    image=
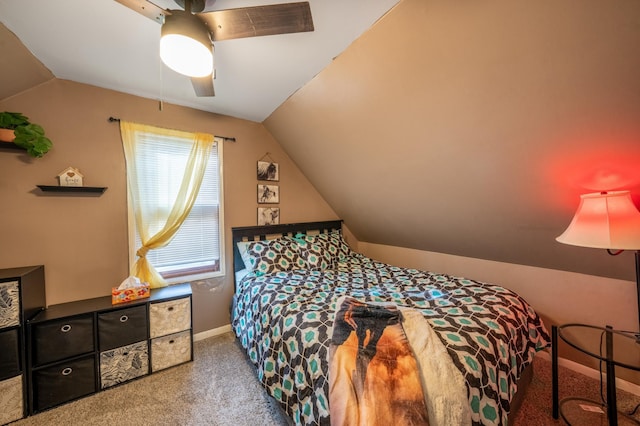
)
(268, 216)
(268, 194)
(268, 171)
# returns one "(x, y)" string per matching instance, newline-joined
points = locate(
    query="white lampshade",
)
(185, 45)
(607, 220)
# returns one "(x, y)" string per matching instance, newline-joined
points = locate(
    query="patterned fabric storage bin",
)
(125, 363)
(11, 396)
(169, 317)
(9, 304)
(11, 399)
(170, 350)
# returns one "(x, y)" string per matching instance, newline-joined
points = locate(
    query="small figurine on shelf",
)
(70, 177)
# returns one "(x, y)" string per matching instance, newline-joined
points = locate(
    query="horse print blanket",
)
(373, 374)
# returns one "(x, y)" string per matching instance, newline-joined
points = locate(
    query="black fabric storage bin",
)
(63, 382)
(9, 353)
(122, 327)
(56, 340)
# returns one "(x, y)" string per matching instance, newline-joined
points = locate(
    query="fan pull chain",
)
(160, 101)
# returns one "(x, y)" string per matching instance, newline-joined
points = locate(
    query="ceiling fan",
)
(201, 28)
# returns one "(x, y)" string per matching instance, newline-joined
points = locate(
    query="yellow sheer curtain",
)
(145, 214)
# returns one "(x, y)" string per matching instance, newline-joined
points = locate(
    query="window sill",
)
(195, 277)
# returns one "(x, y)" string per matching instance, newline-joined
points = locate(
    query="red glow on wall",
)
(607, 167)
(599, 162)
(603, 171)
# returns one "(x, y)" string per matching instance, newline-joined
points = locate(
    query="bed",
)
(290, 280)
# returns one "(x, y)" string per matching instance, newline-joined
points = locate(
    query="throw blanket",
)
(375, 378)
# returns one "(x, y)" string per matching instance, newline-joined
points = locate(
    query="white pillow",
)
(241, 274)
(242, 249)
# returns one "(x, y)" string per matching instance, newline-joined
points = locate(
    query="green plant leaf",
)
(11, 120)
(28, 136)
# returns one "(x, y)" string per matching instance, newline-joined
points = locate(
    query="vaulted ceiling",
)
(106, 44)
(471, 128)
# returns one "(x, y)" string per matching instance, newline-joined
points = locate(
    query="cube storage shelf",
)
(80, 348)
(22, 296)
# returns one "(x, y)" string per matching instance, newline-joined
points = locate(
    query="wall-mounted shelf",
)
(76, 189)
(10, 146)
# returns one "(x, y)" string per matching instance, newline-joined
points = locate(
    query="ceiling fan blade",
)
(258, 21)
(147, 9)
(203, 86)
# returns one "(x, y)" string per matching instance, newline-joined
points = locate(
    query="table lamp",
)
(607, 220)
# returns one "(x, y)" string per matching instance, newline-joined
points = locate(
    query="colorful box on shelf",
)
(129, 294)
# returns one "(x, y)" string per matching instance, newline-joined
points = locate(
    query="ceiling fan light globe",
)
(186, 55)
(185, 44)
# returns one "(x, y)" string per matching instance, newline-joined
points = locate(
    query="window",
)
(196, 250)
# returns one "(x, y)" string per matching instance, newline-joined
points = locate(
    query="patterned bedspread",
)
(283, 320)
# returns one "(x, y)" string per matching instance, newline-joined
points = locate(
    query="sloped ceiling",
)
(471, 128)
(19, 69)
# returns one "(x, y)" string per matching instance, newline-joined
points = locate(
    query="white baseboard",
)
(591, 372)
(213, 332)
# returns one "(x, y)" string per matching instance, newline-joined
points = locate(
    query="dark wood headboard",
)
(255, 233)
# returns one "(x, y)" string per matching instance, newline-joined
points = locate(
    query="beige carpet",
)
(536, 408)
(220, 388)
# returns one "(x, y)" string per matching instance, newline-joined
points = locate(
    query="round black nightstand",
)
(614, 348)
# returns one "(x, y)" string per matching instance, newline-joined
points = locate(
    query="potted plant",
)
(26, 135)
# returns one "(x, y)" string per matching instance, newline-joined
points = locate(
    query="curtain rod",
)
(226, 138)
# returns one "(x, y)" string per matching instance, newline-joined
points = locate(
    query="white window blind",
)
(195, 250)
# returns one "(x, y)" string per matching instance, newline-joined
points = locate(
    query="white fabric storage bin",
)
(11, 400)
(169, 317)
(170, 350)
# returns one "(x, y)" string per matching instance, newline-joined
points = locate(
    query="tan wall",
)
(82, 240)
(559, 297)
